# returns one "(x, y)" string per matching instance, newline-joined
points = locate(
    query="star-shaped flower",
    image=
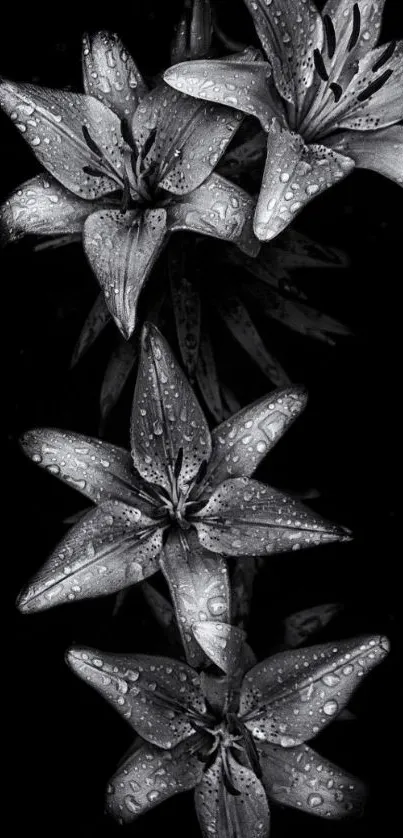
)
(180, 502)
(240, 748)
(328, 98)
(127, 167)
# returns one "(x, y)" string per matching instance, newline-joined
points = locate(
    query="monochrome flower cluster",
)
(127, 163)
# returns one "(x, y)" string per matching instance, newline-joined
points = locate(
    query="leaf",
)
(54, 123)
(110, 73)
(112, 547)
(207, 376)
(95, 323)
(301, 625)
(166, 418)
(199, 586)
(122, 250)
(246, 518)
(186, 305)
(194, 31)
(158, 696)
(317, 682)
(120, 365)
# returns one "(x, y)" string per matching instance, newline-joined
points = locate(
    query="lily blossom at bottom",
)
(239, 742)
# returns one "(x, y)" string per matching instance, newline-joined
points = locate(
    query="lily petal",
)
(242, 441)
(351, 41)
(236, 317)
(110, 73)
(359, 109)
(301, 778)
(245, 86)
(98, 470)
(381, 151)
(42, 207)
(150, 776)
(289, 31)
(54, 123)
(186, 304)
(112, 547)
(122, 250)
(98, 318)
(167, 418)
(317, 682)
(217, 208)
(222, 643)
(223, 814)
(190, 137)
(199, 587)
(156, 695)
(294, 174)
(247, 518)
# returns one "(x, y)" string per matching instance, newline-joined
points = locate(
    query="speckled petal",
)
(289, 31)
(96, 321)
(199, 586)
(112, 547)
(52, 122)
(383, 107)
(190, 137)
(236, 317)
(381, 151)
(351, 45)
(301, 625)
(150, 776)
(247, 518)
(301, 778)
(225, 815)
(222, 643)
(291, 697)
(166, 417)
(242, 441)
(158, 696)
(244, 86)
(186, 305)
(220, 209)
(42, 207)
(96, 469)
(110, 73)
(294, 174)
(122, 249)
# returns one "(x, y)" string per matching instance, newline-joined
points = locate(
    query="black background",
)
(65, 741)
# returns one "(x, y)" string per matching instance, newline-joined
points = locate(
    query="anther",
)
(330, 35)
(375, 86)
(384, 57)
(356, 27)
(337, 90)
(320, 65)
(178, 464)
(90, 142)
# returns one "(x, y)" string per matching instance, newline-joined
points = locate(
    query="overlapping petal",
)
(294, 174)
(246, 518)
(110, 73)
(158, 696)
(199, 586)
(246, 86)
(98, 470)
(359, 108)
(42, 207)
(57, 124)
(241, 442)
(221, 642)
(122, 249)
(166, 418)
(301, 778)
(289, 31)
(112, 547)
(381, 151)
(217, 208)
(223, 814)
(292, 696)
(150, 776)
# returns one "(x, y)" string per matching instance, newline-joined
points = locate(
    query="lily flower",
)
(126, 167)
(327, 96)
(180, 502)
(239, 742)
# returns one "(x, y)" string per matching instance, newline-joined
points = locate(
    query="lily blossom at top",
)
(238, 740)
(180, 502)
(127, 166)
(327, 96)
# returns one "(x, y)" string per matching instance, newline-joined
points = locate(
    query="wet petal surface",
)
(110, 73)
